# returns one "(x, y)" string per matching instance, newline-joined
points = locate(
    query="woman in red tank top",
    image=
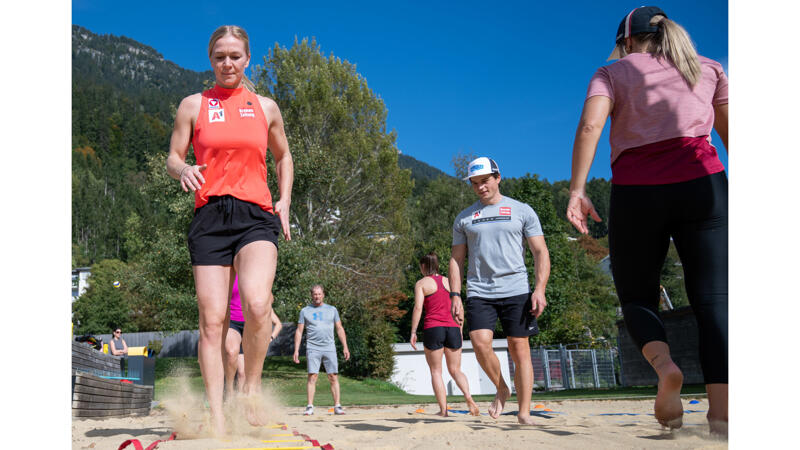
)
(442, 335)
(236, 226)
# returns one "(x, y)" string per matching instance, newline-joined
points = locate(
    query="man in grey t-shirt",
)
(320, 320)
(494, 232)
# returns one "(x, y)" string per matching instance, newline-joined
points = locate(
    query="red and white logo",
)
(213, 103)
(505, 210)
(476, 214)
(216, 115)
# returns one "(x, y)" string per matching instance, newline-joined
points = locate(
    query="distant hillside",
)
(419, 169)
(130, 66)
(421, 172)
(124, 97)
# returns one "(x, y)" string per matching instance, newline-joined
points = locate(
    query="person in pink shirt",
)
(234, 355)
(667, 184)
(442, 335)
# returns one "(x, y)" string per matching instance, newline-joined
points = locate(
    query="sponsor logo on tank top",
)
(505, 210)
(216, 115)
(247, 112)
(476, 214)
(213, 103)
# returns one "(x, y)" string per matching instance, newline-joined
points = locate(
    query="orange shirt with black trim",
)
(231, 136)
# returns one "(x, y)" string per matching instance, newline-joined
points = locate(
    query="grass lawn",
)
(288, 381)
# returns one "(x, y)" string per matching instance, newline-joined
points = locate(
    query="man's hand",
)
(296, 358)
(538, 303)
(457, 310)
(346, 354)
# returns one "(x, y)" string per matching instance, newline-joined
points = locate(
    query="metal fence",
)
(562, 368)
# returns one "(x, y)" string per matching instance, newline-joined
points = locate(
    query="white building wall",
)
(80, 281)
(412, 374)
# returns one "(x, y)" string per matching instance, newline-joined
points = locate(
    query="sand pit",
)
(571, 424)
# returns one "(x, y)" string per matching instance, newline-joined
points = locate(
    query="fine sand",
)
(570, 424)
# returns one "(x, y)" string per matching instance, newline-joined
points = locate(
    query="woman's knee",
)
(454, 371)
(212, 328)
(258, 308)
(231, 348)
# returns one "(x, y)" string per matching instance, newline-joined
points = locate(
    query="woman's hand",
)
(578, 208)
(413, 340)
(192, 178)
(281, 208)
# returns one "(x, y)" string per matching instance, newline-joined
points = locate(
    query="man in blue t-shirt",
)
(320, 320)
(494, 232)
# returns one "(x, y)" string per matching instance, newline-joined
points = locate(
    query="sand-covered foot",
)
(217, 426)
(254, 411)
(668, 407)
(718, 428)
(473, 408)
(442, 413)
(499, 402)
(525, 419)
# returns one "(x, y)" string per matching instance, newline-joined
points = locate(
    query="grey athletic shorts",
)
(328, 357)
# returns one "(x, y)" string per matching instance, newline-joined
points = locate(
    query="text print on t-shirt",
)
(491, 219)
(247, 112)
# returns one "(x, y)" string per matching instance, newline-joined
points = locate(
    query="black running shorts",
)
(239, 328)
(435, 338)
(514, 314)
(224, 225)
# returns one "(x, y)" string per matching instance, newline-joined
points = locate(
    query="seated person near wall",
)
(117, 346)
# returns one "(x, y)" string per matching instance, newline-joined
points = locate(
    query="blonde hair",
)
(239, 33)
(672, 42)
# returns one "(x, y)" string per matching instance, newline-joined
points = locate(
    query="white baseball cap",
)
(481, 166)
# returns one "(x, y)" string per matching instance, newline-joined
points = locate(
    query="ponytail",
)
(248, 84)
(429, 264)
(673, 43)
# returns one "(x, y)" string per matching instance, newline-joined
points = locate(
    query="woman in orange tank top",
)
(236, 225)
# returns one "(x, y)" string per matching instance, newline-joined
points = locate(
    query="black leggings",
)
(695, 214)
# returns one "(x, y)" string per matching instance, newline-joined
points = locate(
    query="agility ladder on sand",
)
(137, 445)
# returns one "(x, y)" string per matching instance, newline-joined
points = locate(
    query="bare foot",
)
(718, 428)
(442, 413)
(217, 428)
(525, 419)
(254, 412)
(473, 408)
(668, 407)
(499, 402)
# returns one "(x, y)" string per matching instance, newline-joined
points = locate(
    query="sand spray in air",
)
(190, 417)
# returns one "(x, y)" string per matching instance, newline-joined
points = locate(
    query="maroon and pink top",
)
(660, 128)
(437, 307)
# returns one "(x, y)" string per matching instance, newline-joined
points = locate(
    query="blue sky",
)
(502, 79)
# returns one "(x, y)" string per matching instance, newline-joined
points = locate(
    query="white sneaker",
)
(309, 410)
(338, 410)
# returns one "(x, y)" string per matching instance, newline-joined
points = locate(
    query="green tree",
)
(347, 180)
(104, 305)
(349, 201)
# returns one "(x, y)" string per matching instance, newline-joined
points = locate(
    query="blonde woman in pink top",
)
(667, 183)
